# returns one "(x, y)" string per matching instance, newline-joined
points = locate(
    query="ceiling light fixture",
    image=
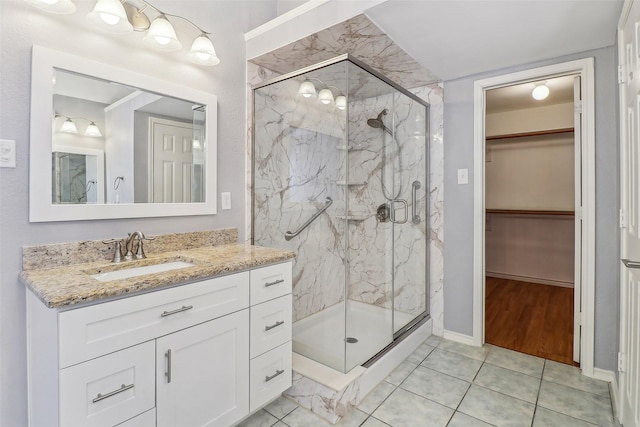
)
(62, 7)
(540, 91)
(109, 15)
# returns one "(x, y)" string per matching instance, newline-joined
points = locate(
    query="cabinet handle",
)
(178, 310)
(168, 373)
(275, 282)
(269, 378)
(275, 325)
(122, 388)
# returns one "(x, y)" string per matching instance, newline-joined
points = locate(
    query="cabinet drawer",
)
(270, 324)
(148, 419)
(270, 282)
(110, 389)
(270, 375)
(95, 330)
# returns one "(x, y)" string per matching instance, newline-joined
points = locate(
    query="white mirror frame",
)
(41, 209)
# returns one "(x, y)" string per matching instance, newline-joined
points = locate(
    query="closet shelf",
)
(529, 134)
(530, 212)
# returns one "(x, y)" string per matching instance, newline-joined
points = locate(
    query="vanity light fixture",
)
(110, 15)
(162, 36)
(62, 7)
(307, 89)
(341, 102)
(326, 96)
(68, 126)
(202, 51)
(540, 91)
(93, 130)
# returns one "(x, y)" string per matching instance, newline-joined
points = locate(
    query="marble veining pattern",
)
(69, 285)
(357, 36)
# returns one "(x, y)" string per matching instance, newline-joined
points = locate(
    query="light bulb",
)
(307, 89)
(109, 18)
(341, 102)
(540, 92)
(325, 96)
(62, 7)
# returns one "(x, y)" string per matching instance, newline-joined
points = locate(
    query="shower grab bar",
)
(290, 235)
(415, 218)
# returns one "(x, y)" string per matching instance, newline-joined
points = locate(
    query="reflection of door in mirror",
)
(174, 175)
(76, 176)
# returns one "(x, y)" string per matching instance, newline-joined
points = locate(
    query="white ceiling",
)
(456, 38)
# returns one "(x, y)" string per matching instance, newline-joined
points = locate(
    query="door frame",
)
(584, 68)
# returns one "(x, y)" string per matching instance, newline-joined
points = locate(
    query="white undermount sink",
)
(126, 273)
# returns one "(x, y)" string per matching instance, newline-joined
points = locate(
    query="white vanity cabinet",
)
(179, 356)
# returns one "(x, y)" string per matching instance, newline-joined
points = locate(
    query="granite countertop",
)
(65, 286)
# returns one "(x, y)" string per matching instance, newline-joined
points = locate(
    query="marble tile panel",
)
(477, 353)
(496, 408)
(578, 404)
(547, 418)
(374, 399)
(300, 417)
(280, 407)
(403, 408)
(462, 420)
(434, 340)
(519, 362)
(508, 382)
(280, 424)
(401, 373)
(259, 419)
(572, 377)
(420, 353)
(452, 364)
(443, 389)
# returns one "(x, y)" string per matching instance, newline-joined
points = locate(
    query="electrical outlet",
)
(7, 153)
(226, 201)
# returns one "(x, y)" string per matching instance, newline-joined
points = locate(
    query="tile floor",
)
(444, 383)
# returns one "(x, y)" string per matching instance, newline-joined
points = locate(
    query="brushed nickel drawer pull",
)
(122, 388)
(269, 378)
(178, 310)
(275, 282)
(168, 373)
(275, 325)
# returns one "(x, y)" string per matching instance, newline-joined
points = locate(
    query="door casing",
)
(584, 68)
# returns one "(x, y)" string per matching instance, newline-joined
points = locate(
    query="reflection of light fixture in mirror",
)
(325, 96)
(110, 15)
(341, 102)
(196, 144)
(540, 91)
(93, 130)
(138, 20)
(162, 36)
(62, 7)
(68, 126)
(307, 89)
(202, 51)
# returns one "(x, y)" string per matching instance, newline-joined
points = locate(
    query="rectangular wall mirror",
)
(110, 143)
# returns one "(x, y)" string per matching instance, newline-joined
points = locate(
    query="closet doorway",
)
(570, 210)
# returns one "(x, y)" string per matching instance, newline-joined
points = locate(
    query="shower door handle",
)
(415, 218)
(405, 208)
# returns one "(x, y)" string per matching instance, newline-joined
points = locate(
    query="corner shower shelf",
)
(354, 217)
(350, 183)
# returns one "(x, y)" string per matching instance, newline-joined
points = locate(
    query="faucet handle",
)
(140, 250)
(117, 252)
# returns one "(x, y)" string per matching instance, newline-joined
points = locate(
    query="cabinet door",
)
(203, 373)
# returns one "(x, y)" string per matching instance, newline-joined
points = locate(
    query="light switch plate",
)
(226, 201)
(7, 153)
(463, 176)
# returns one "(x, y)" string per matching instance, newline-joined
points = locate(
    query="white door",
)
(577, 195)
(629, 59)
(202, 374)
(172, 163)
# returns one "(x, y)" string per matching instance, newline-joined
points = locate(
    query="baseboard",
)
(458, 337)
(610, 377)
(529, 279)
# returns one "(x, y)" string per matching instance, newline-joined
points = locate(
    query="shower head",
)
(377, 123)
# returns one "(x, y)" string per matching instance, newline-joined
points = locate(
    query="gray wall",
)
(21, 27)
(458, 203)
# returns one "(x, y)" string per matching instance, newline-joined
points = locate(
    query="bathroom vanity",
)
(208, 348)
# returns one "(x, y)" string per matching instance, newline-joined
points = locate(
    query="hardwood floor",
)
(530, 318)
